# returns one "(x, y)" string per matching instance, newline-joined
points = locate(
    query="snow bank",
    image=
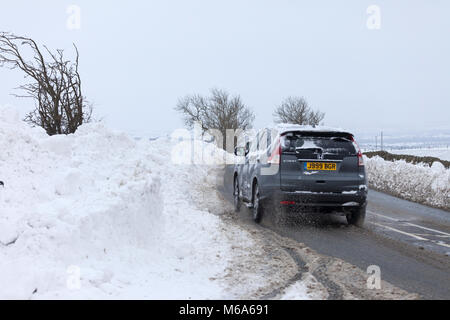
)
(98, 215)
(419, 183)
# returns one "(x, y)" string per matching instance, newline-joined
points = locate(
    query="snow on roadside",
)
(98, 215)
(306, 289)
(415, 182)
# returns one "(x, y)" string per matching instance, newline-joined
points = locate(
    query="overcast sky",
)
(139, 57)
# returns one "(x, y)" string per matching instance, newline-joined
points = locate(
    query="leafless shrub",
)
(60, 107)
(297, 111)
(218, 111)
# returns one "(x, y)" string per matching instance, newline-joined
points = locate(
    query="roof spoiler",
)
(319, 133)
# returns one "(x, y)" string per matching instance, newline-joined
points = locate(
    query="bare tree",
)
(60, 107)
(297, 111)
(218, 111)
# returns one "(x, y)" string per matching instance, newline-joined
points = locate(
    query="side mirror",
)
(239, 151)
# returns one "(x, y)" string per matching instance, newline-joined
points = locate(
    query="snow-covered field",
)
(441, 153)
(99, 215)
(415, 182)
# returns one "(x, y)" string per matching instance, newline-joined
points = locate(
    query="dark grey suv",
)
(300, 168)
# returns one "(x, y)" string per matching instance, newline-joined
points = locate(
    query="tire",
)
(257, 209)
(357, 216)
(236, 198)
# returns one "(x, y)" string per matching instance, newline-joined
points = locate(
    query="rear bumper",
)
(319, 199)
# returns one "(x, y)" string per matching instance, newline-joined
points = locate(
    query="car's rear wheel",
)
(257, 209)
(357, 216)
(237, 199)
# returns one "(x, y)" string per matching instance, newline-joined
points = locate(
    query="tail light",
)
(276, 154)
(360, 159)
(359, 153)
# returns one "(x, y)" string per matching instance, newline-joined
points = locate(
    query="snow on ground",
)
(304, 289)
(117, 212)
(415, 182)
(99, 215)
(441, 153)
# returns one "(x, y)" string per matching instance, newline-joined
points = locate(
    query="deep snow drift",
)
(415, 182)
(99, 205)
(99, 215)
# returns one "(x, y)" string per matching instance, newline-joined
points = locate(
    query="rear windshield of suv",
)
(338, 146)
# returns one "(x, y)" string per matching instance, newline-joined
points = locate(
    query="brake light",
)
(360, 159)
(287, 202)
(359, 153)
(276, 154)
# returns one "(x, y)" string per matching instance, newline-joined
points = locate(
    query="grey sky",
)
(138, 57)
